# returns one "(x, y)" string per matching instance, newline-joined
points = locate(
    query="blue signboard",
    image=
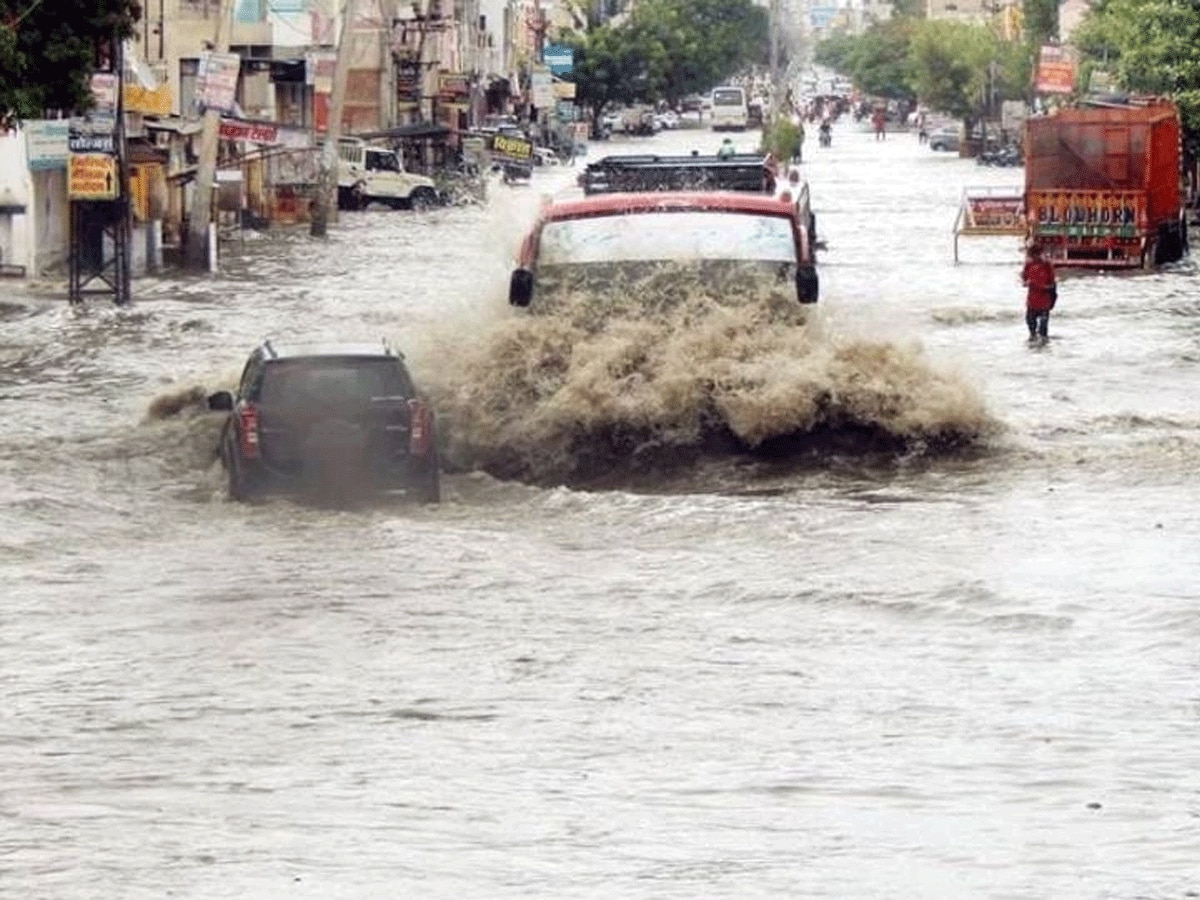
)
(559, 59)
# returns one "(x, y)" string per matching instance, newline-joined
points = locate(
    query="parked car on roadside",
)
(342, 419)
(945, 137)
(667, 120)
(368, 174)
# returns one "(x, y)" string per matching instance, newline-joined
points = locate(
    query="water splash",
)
(565, 399)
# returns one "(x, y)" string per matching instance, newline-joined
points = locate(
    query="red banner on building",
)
(1055, 71)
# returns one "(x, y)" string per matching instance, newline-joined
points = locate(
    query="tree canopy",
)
(49, 49)
(667, 49)
(878, 60)
(958, 68)
(1149, 46)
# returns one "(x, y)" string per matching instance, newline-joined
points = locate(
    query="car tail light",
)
(248, 430)
(419, 430)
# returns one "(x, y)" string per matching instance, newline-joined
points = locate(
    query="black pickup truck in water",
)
(342, 420)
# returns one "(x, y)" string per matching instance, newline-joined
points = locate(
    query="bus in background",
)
(729, 109)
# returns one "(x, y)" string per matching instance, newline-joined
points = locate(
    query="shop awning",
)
(416, 130)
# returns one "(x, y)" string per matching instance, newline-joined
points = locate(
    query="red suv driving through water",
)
(747, 244)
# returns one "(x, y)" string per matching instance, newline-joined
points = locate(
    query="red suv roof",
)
(708, 201)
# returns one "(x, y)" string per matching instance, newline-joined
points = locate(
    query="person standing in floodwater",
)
(879, 121)
(1041, 292)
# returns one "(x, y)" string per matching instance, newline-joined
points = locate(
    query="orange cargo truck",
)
(1103, 185)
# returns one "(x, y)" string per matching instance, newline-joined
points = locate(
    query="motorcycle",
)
(1000, 156)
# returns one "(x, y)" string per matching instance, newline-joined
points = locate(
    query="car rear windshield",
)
(668, 235)
(729, 97)
(333, 381)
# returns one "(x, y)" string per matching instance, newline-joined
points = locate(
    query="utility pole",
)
(325, 207)
(773, 32)
(197, 249)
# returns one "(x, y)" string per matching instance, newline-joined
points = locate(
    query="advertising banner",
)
(512, 148)
(92, 143)
(454, 87)
(92, 176)
(994, 215)
(46, 144)
(104, 93)
(542, 90)
(216, 85)
(264, 133)
(559, 59)
(1055, 71)
(318, 71)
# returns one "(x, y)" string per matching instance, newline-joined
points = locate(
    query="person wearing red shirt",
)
(1041, 292)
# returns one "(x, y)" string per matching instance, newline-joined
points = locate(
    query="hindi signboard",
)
(265, 133)
(1055, 71)
(216, 84)
(104, 92)
(92, 143)
(318, 70)
(993, 211)
(454, 87)
(46, 144)
(542, 89)
(512, 148)
(559, 59)
(994, 215)
(92, 176)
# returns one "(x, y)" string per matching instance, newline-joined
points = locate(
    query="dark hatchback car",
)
(343, 420)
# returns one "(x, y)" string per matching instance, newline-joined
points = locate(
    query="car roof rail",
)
(269, 349)
(389, 349)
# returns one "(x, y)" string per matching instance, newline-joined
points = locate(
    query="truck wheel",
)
(423, 198)
(807, 285)
(358, 196)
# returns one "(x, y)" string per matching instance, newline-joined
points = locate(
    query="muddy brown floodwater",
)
(960, 662)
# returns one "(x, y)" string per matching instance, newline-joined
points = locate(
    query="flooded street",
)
(959, 674)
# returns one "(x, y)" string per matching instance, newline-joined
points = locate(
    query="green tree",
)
(667, 49)
(836, 52)
(878, 60)
(1041, 21)
(950, 64)
(1150, 47)
(881, 61)
(49, 49)
(609, 68)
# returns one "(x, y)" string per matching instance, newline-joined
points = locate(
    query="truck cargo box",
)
(1102, 185)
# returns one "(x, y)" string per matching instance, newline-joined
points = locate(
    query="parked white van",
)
(368, 174)
(730, 109)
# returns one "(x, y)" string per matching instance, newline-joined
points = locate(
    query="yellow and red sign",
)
(1055, 71)
(92, 176)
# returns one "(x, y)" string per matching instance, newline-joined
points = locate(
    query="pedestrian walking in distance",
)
(1041, 292)
(879, 122)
